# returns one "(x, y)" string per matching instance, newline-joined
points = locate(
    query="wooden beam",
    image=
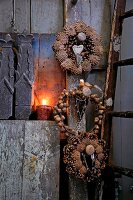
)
(127, 114)
(123, 62)
(127, 14)
(124, 171)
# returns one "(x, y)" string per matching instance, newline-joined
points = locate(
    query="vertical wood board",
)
(41, 161)
(11, 156)
(6, 77)
(29, 167)
(50, 80)
(46, 16)
(6, 9)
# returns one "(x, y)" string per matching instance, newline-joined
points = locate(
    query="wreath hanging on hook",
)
(78, 48)
(85, 154)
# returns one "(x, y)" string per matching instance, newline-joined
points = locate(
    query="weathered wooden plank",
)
(6, 78)
(24, 76)
(11, 159)
(96, 14)
(22, 14)
(41, 161)
(6, 9)
(46, 16)
(50, 79)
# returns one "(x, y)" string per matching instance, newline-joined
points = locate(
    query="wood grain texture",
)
(29, 166)
(5, 15)
(46, 16)
(96, 14)
(11, 155)
(41, 161)
(49, 79)
(22, 14)
(6, 77)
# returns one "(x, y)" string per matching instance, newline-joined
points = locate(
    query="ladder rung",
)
(126, 114)
(127, 14)
(124, 171)
(123, 62)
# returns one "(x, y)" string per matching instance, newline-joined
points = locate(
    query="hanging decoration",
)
(78, 48)
(84, 155)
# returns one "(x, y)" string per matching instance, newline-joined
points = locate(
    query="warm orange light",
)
(44, 102)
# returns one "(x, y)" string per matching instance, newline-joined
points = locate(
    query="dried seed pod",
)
(100, 156)
(97, 164)
(83, 170)
(99, 149)
(101, 112)
(61, 105)
(57, 118)
(64, 110)
(81, 147)
(60, 124)
(96, 127)
(78, 164)
(100, 116)
(62, 55)
(63, 37)
(100, 122)
(96, 120)
(86, 65)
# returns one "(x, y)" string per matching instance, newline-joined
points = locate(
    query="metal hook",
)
(73, 2)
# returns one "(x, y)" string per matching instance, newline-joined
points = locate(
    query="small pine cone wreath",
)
(82, 45)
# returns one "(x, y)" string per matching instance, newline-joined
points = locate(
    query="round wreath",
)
(84, 155)
(78, 48)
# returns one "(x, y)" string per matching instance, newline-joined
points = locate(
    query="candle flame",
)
(44, 102)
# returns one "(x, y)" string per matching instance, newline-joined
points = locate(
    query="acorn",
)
(100, 116)
(96, 120)
(57, 118)
(100, 122)
(101, 112)
(64, 110)
(96, 127)
(61, 105)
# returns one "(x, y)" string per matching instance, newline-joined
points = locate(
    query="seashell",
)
(86, 91)
(77, 49)
(90, 149)
(81, 36)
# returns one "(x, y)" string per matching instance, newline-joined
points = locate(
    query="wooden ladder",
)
(110, 85)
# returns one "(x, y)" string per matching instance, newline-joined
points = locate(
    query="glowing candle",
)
(44, 111)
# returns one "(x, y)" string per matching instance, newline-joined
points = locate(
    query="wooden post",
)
(24, 77)
(6, 78)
